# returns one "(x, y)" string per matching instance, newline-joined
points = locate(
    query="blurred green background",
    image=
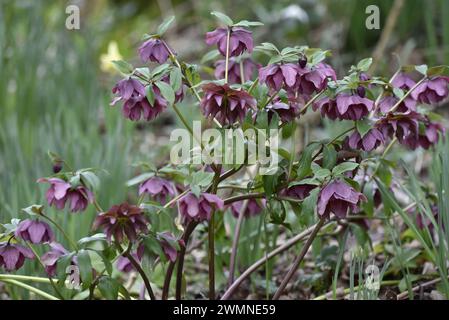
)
(55, 83)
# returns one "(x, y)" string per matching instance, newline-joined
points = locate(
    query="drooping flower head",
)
(135, 102)
(234, 70)
(286, 111)
(431, 91)
(353, 107)
(61, 193)
(50, 258)
(404, 126)
(403, 81)
(34, 231)
(170, 245)
(428, 135)
(158, 188)
(315, 79)
(225, 104)
(339, 198)
(327, 108)
(153, 50)
(388, 102)
(199, 208)
(120, 220)
(299, 191)
(253, 208)
(12, 256)
(124, 264)
(240, 40)
(275, 76)
(370, 141)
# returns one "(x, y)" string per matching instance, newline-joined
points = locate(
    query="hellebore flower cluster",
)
(157, 188)
(370, 141)
(34, 231)
(315, 79)
(225, 104)
(275, 76)
(339, 198)
(253, 208)
(199, 208)
(154, 50)
(121, 220)
(12, 256)
(61, 193)
(344, 107)
(240, 40)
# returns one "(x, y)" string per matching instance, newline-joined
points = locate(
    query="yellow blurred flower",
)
(106, 59)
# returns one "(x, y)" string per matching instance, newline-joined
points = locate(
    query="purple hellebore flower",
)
(403, 81)
(327, 107)
(253, 208)
(120, 220)
(234, 76)
(136, 104)
(12, 256)
(158, 188)
(199, 208)
(386, 103)
(316, 78)
(404, 126)
(337, 197)
(61, 192)
(166, 240)
(153, 50)
(353, 107)
(299, 191)
(370, 141)
(431, 91)
(34, 231)
(124, 264)
(427, 137)
(277, 75)
(240, 40)
(286, 111)
(227, 105)
(50, 259)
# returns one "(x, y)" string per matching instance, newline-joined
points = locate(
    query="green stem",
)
(70, 240)
(309, 103)
(29, 288)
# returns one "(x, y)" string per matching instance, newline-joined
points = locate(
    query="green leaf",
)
(85, 267)
(246, 23)
(176, 79)
(160, 71)
(363, 127)
(437, 71)
(163, 27)
(33, 210)
(322, 174)
(364, 64)
(309, 203)
(202, 178)
(122, 66)
(95, 237)
(109, 288)
(305, 161)
(344, 167)
(211, 55)
(223, 18)
(140, 178)
(422, 69)
(329, 157)
(90, 179)
(166, 91)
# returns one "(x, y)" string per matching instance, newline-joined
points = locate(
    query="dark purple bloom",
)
(135, 102)
(277, 75)
(370, 141)
(431, 91)
(386, 103)
(299, 191)
(361, 91)
(12, 256)
(240, 40)
(315, 79)
(253, 208)
(338, 197)
(153, 50)
(34, 231)
(227, 105)
(404, 126)
(234, 76)
(124, 264)
(403, 81)
(120, 220)
(170, 245)
(353, 107)
(61, 193)
(327, 107)
(158, 188)
(427, 136)
(199, 208)
(50, 258)
(286, 111)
